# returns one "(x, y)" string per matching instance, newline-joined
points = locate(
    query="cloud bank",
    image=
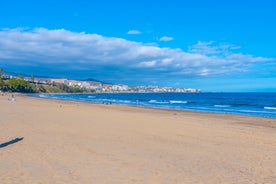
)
(81, 52)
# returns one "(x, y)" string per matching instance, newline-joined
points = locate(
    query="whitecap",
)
(221, 105)
(42, 96)
(178, 102)
(158, 102)
(270, 108)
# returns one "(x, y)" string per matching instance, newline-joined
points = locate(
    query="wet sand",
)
(54, 142)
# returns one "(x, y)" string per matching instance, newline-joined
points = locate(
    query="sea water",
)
(249, 104)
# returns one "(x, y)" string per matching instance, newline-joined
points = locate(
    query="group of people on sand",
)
(107, 103)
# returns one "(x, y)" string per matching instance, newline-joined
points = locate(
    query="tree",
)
(32, 78)
(1, 83)
(18, 85)
(1, 72)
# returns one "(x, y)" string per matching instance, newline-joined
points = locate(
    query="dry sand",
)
(72, 142)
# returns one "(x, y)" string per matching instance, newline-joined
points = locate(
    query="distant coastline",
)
(33, 84)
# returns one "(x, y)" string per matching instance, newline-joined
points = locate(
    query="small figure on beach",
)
(107, 102)
(13, 99)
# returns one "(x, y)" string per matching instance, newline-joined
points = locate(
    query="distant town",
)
(101, 87)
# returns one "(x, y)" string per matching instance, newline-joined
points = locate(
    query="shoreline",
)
(56, 141)
(257, 120)
(188, 105)
(157, 108)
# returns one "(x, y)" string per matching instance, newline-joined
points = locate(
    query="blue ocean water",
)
(249, 104)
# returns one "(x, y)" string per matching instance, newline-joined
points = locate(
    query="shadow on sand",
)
(11, 142)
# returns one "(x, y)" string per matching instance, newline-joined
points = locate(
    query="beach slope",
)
(51, 141)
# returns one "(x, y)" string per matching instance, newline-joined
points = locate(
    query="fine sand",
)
(60, 142)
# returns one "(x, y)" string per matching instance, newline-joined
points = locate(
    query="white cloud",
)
(204, 72)
(81, 51)
(147, 64)
(166, 39)
(134, 32)
(209, 48)
(166, 61)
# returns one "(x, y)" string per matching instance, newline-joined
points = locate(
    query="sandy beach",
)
(55, 142)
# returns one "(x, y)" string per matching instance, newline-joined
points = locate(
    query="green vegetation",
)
(1, 83)
(22, 86)
(60, 88)
(18, 84)
(1, 72)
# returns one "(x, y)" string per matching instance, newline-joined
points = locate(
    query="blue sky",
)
(212, 45)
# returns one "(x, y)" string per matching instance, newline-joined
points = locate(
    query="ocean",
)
(248, 104)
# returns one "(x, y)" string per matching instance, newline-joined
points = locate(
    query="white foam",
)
(158, 102)
(252, 111)
(221, 105)
(178, 102)
(270, 108)
(122, 101)
(42, 96)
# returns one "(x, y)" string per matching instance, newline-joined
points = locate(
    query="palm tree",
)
(32, 78)
(1, 71)
(1, 78)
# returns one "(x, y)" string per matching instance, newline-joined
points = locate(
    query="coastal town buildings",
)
(100, 87)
